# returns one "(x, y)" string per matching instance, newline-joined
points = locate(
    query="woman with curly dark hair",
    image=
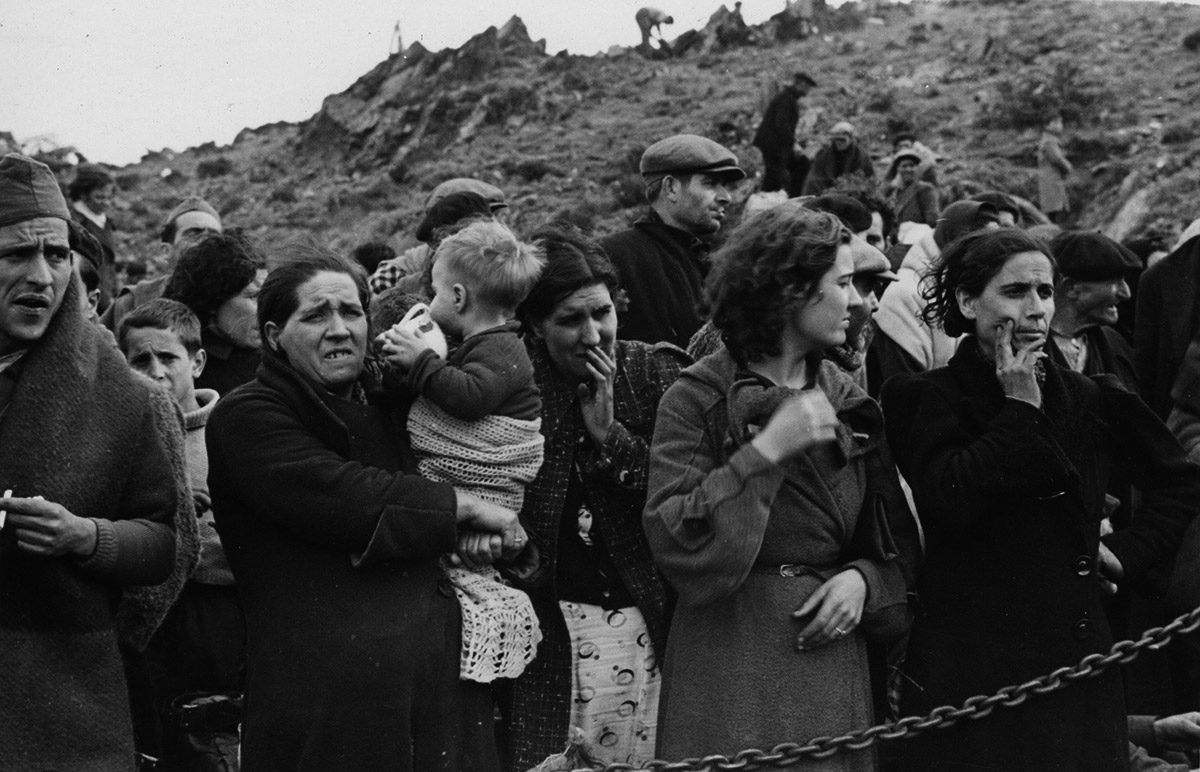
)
(1009, 458)
(604, 608)
(219, 278)
(773, 507)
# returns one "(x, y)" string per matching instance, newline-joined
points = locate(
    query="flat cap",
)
(191, 204)
(803, 77)
(911, 155)
(28, 190)
(1090, 256)
(490, 193)
(452, 209)
(689, 153)
(869, 260)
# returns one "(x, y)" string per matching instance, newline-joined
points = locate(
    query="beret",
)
(689, 153)
(191, 204)
(490, 193)
(1090, 256)
(28, 190)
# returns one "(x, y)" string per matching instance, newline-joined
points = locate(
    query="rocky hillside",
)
(562, 133)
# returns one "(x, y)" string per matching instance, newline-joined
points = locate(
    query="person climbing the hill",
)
(651, 20)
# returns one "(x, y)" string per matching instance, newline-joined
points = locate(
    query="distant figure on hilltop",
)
(1053, 170)
(649, 19)
(784, 164)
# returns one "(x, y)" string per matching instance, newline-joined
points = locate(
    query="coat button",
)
(1083, 565)
(1083, 629)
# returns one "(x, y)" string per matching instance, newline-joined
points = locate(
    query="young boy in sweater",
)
(200, 646)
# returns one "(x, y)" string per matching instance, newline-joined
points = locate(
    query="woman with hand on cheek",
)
(774, 509)
(604, 609)
(1008, 456)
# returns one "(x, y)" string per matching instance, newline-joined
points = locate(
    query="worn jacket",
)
(662, 271)
(353, 637)
(84, 431)
(613, 476)
(744, 542)
(1011, 497)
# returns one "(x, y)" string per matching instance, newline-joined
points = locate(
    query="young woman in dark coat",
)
(1009, 456)
(354, 635)
(604, 609)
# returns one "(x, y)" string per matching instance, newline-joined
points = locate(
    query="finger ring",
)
(839, 631)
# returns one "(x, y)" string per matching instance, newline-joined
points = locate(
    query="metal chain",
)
(786, 754)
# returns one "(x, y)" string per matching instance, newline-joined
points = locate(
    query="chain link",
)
(979, 706)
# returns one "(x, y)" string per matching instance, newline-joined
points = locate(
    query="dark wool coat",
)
(662, 271)
(614, 483)
(1010, 497)
(917, 203)
(84, 431)
(745, 542)
(1168, 316)
(830, 164)
(353, 635)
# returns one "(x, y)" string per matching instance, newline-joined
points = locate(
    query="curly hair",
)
(967, 265)
(211, 271)
(770, 263)
(573, 262)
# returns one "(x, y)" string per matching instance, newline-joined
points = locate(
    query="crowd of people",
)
(717, 481)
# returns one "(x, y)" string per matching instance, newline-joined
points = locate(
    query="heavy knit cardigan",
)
(82, 430)
(613, 477)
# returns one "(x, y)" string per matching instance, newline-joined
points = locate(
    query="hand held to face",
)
(1017, 369)
(800, 422)
(596, 395)
(401, 346)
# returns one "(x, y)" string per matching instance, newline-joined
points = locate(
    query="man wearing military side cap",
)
(1092, 274)
(663, 259)
(92, 483)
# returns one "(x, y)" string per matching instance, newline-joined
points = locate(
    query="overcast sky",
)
(116, 78)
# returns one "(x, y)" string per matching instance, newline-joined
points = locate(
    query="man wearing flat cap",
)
(1092, 280)
(663, 259)
(191, 220)
(784, 164)
(842, 157)
(91, 480)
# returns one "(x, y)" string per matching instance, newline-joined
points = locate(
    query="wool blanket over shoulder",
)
(82, 430)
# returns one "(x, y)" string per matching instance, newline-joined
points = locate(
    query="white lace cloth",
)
(493, 458)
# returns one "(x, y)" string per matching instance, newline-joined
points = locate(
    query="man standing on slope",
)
(663, 258)
(784, 165)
